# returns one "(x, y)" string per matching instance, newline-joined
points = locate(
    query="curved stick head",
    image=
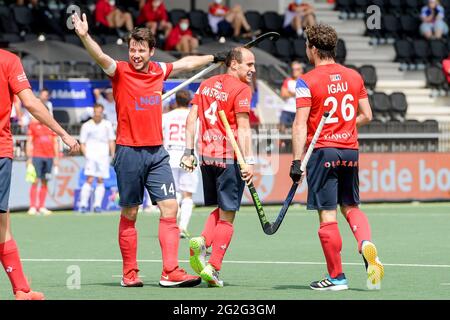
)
(273, 36)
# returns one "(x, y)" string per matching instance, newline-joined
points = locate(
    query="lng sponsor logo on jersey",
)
(335, 77)
(302, 89)
(22, 77)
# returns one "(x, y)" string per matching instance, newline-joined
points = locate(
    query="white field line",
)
(405, 265)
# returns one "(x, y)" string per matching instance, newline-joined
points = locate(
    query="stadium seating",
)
(272, 21)
(199, 23)
(399, 106)
(175, 15)
(62, 116)
(369, 74)
(254, 19)
(381, 106)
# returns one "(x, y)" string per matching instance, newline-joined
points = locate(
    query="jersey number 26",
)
(347, 109)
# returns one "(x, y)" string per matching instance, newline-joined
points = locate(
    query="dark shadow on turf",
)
(302, 287)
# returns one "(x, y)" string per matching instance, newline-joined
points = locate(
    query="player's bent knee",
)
(168, 208)
(130, 212)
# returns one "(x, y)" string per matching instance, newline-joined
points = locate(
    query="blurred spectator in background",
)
(433, 25)
(181, 38)
(298, 16)
(108, 103)
(44, 19)
(288, 94)
(446, 68)
(108, 16)
(226, 22)
(97, 140)
(154, 16)
(42, 152)
(44, 96)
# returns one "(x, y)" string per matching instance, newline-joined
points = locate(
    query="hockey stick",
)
(268, 227)
(273, 36)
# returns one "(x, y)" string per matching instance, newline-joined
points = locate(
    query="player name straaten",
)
(190, 310)
(216, 94)
(337, 87)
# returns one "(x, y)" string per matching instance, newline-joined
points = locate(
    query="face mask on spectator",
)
(112, 2)
(184, 26)
(298, 1)
(218, 1)
(156, 3)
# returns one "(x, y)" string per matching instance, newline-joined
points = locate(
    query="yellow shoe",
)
(374, 267)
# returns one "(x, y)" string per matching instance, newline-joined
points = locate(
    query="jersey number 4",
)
(210, 113)
(347, 109)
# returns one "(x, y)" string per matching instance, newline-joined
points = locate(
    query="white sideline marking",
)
(249, 262)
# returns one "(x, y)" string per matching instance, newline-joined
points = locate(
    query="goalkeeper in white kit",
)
(174, 125)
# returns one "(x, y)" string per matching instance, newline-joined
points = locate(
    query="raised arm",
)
(103, 60)
(193, 62)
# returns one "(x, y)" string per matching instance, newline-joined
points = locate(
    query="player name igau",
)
(337, 87)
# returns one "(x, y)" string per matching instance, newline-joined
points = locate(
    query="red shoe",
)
(131, 279)
(31, 295)
(178, 278)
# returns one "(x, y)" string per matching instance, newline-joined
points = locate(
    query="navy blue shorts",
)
(43, 167)
(143, 167)
(287, 118)
(332, 178)
(5, 184)
(222, 185)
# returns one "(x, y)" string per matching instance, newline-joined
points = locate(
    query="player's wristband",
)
(188, 152)
(250, 160)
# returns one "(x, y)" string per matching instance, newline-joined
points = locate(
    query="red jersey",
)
(218, 9)
(293, 6)
(221, 92)
(138, 103)
(102, 9)
(149, 13)
(43, 140)
(12, 80)
(336, 89)
(446, 68)
(174, 37)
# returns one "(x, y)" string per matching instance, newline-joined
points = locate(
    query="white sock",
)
(99, 194)
(186, 212)
(85, 194)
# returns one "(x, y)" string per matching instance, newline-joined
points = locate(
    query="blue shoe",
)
(97, 210)
(332, 284)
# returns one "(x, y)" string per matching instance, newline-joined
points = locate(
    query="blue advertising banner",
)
(79, 93)
(71, 93)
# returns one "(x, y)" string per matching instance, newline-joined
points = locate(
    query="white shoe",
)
(32, 211)
(45, 211)
(374, 267)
